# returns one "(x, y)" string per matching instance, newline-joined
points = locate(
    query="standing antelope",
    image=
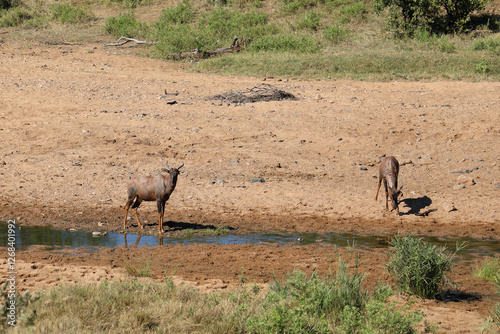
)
(388, 172)
(151, 188)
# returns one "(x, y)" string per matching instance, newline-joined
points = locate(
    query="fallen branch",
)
(200, 54)
(124, 40)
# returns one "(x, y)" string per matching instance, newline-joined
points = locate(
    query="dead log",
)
(200, 54)
(124, 40)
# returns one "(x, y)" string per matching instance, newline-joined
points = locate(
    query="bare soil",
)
(77, 121)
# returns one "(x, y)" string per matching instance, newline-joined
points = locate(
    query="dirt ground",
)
(77, 121)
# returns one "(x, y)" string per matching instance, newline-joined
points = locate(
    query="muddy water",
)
(56, 239)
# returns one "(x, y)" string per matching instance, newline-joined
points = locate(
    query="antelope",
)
(151, 188)
(388, 172)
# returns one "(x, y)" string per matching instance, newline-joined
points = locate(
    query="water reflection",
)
(61, 239)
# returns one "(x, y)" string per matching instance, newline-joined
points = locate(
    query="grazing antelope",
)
(388, 172)
(151, 188)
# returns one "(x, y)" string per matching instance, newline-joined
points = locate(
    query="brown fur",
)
(388, 172)
(151, 188)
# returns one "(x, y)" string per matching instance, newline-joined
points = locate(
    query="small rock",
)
(235, 161)
(363, 168)
(449, 207)
(257, 180)
(459, 186)
(497, 186)
(96, 234)
(465, 180)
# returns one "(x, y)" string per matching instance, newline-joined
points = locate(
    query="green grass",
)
(302, 303)
(489, 269)
(139, 271)
(419, 268)
(316, 39)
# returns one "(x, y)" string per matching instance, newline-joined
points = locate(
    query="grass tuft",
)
(418, 267)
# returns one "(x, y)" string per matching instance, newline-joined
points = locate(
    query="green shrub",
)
(180, 14)
(418, 268)
(23, 313)
(306, 303)
(489, 269)
(66, 13)
(126, 25)
(6, 4)
(406, 16)
(14, 17)
(356, 11)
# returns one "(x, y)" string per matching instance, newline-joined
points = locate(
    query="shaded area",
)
(457, 296)
(258, 93)
(416, 205)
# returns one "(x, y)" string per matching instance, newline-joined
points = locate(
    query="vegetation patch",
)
(419, 268)
(300, 304)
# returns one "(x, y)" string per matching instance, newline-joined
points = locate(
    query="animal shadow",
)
(416, 205)
(172, 226)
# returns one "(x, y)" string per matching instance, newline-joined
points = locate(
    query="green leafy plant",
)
(126, 25)
(406, 16)
(489, 269)
(335, 33)
(67, 13)
(310, 21)
(419, 268)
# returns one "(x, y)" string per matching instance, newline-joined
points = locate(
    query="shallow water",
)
(56, 239)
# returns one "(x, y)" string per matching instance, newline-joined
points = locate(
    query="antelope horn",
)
(166, 163)
(401, 186)
(180, 166)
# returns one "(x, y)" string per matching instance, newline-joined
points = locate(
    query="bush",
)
(15, 17)
(66, 13)
(407, 16)
(309, 304)
(180, 14)
(489, 269)
(7, 4)
(126, 25)
(418, 268)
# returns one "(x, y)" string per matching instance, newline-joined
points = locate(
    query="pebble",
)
(465, 180)
(257, 180)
